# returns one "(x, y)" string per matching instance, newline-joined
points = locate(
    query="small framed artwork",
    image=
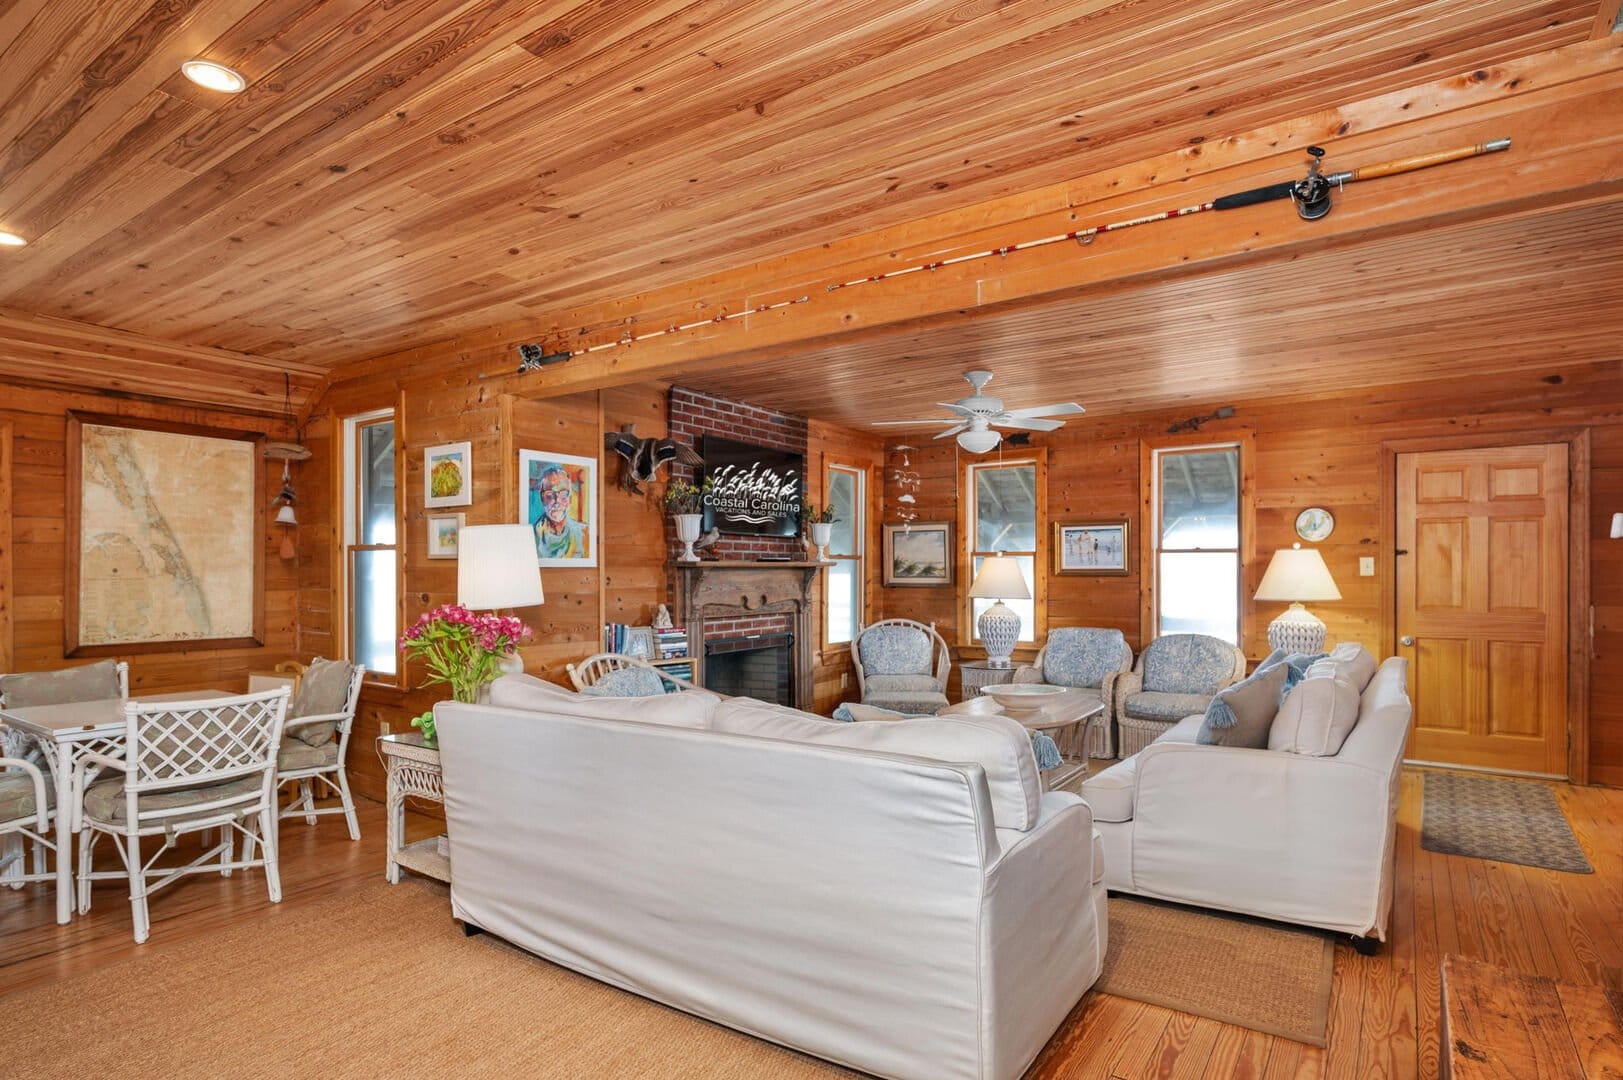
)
(918, 554)
(448, 475)
(443, 530)
(557, 498)
(1091, 547)
(640, 641)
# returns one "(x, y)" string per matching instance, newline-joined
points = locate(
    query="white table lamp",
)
(1296, 574)
(999, 579)
(1617, 526)
(496, 568)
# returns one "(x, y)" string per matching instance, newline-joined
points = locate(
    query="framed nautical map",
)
(165, 536)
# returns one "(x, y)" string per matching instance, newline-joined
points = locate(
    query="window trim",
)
(1149, 533)
(349, 506)
(860, 532)
(1036, 456)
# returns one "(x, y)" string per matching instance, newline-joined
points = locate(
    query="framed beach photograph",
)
(557, 499)
(448, 475)
(1091, 547)
(443, 530)
(918, 554)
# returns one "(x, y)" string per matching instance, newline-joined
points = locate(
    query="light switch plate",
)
(1366, 566)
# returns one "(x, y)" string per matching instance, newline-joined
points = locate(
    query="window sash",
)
(1174, 618)
(1027, 609)
(379, 620)
(846, 595)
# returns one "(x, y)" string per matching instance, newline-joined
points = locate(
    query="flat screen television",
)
(755, 490)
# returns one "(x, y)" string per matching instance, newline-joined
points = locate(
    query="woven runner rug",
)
(1241, 971)
(1511, 821)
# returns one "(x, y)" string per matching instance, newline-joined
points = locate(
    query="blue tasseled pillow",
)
(1296, 665)
(628, 682)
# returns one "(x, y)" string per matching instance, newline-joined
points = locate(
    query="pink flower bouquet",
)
(461, 648)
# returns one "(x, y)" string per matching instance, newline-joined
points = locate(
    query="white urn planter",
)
(821, 533)
(687, 531)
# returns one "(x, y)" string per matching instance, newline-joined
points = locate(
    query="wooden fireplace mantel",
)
(728, 590)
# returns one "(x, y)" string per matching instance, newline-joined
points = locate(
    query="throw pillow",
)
(1296, 664)
(88, 682)
(627, 682)
(853, 711)
(1354, 661)
(1318, 714)
(1243, 714)
(323, 690)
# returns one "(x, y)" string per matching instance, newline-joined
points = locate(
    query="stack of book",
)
(670, 643)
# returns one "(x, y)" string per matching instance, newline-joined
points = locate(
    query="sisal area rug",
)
(378, 982)
(1230, 968)
(1512, 821)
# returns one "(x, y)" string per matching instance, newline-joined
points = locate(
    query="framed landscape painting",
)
(557, 499)
(443, 530)
(1091, 548)
(448, 475)
(918, 554)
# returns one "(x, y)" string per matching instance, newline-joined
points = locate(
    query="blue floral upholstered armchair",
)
(902, 665)
(1084, 658)
(1176, 676)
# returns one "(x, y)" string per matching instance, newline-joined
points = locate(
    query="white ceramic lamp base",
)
(1297, 630)
(999, 627)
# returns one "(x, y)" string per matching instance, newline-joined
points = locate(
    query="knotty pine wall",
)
(1324, 452)
(33, 507)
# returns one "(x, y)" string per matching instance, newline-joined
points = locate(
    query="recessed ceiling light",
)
(212, 76)
(8, 239)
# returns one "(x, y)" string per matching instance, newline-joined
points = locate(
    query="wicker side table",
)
(413, 769)
(974, 674)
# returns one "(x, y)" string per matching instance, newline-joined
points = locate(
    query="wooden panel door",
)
(1482, 595)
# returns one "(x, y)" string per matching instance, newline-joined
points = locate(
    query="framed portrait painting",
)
(918, 554)
(448, 475)
(557, 499)
(1091, 547)
(443, 530)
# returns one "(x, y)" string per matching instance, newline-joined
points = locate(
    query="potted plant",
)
(685, 501)
(820, 525)
(461, 648)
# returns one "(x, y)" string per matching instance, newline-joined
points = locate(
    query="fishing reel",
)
(1311, 193)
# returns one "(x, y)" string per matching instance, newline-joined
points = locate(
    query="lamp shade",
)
(1617, 526)
(285, 515)
(1000, 579)
(496, 567)
(979, 442)
(1295, 574)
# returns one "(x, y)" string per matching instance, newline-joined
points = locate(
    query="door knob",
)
(1406, 640)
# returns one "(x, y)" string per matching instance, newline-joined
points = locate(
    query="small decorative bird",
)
(708, 540)
(643, 457)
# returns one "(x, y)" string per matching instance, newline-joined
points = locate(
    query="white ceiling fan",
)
(979, 414)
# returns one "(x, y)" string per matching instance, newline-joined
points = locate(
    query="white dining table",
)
(63, 733)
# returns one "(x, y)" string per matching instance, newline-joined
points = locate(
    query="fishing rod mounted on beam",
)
(1311, 195)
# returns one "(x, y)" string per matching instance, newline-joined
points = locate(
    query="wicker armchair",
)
(902, 665)
(592, 671)
(1175, 676)
(1084, 658)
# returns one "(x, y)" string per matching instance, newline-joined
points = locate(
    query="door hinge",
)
(1401, 551)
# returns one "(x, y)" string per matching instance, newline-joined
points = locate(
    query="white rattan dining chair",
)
(25, 817)
(590, 670)
(298, 762)
(187, 766)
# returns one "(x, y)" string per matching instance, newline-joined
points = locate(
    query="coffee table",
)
(1068, 720)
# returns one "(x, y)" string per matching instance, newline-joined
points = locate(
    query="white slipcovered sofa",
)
(897, 896)
(1288, 833)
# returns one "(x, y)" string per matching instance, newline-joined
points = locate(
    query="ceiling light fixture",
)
(979, 441)
(11, 240)
(212, 76)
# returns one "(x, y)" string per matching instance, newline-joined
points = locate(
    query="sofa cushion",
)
(1110, 793)
(627, 682)
(1354, 661)
(1001, 746)
(104, 800)
(88, 682)
(910, 702)
(889, 684)
(1151, 705)
(295, 754)
(1079, 656)
(1318, 714)
(896, 650)
(692, 708)
(1188, 664)
(1243, 714)
(323, 690)
(17, 795)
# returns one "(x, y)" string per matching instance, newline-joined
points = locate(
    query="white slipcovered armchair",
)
(902, 665)
(1084, 658)
(1176, 676)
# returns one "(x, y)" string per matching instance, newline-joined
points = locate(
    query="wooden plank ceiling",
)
(1538, 293)
(400, 171)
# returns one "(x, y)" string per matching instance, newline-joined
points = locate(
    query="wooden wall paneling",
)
(833, 673)
(6, 600)
(634, 547)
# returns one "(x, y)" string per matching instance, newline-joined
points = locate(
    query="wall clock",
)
(1315, 524)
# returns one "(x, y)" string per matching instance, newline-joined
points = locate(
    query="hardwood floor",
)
(1384, 1009)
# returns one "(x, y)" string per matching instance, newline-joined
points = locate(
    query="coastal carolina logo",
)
(757, 495)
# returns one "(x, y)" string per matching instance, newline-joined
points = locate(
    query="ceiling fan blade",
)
(955, 429)
(1065, 408)
(1027, 423)
(911, 423)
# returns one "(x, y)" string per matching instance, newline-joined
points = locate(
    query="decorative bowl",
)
(1023, 699)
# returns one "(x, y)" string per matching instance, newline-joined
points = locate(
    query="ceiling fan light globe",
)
(979, 442)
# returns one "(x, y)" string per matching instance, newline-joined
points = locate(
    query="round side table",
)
(974, 674)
